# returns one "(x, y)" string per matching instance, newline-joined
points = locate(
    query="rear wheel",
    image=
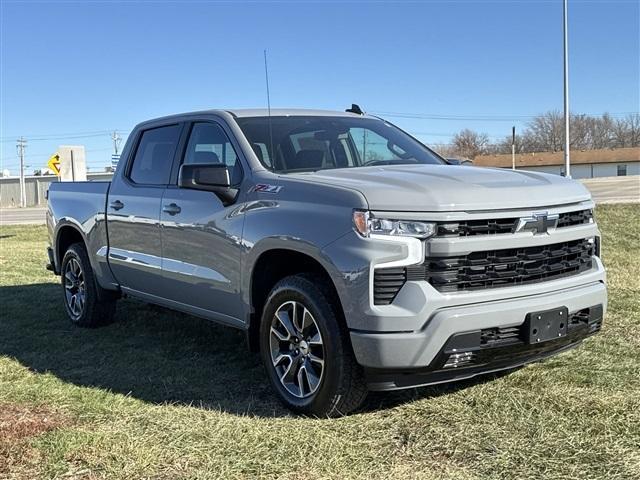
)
(306, 350)
(86, 303)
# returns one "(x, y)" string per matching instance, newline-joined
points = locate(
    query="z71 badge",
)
(266, 188)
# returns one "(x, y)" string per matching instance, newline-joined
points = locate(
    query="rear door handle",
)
(117, 205)
(171, 209)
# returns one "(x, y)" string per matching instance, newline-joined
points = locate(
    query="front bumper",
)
(473, 355)
(409, 332)
(420, 350)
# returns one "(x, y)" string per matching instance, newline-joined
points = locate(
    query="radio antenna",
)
(266, 77)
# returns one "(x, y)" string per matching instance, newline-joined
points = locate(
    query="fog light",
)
(459, 359)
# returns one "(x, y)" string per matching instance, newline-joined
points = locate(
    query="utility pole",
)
(116, 141)
(513, 148)
(21, 145)
(567, 154)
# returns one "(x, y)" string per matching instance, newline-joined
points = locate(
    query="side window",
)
(622, 170)
(209, 144)
(154, 156)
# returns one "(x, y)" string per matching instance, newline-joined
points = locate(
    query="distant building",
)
(584, 163)
(36, 187)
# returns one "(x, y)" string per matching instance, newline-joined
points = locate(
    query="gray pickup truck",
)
(353, 257)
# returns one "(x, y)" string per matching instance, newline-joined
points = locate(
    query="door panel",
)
(201, 247)
(133, 210)
(201, 238)
(135, 253)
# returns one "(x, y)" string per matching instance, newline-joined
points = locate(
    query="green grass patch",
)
(163, 395)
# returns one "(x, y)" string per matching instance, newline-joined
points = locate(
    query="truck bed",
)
(78, 200)
(81, 205)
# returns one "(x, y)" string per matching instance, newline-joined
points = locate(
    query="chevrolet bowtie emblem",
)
(538, 223)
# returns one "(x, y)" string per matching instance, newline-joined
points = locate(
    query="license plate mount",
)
(546, 325)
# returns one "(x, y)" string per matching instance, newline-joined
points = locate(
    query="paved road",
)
(22, 216)
(614, 189)
(604, 190)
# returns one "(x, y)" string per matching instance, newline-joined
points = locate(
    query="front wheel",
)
(306, 350)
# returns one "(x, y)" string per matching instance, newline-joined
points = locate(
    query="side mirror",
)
(210, 178)
(458, 161)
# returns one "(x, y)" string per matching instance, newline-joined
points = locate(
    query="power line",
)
(66, 137)
(485, 117)
(34, 157)
(58, 135)
(426, 116)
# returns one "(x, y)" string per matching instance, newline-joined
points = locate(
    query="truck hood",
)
(452, 188)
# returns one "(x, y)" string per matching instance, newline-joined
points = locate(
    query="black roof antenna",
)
(355, 108)
(271, 153)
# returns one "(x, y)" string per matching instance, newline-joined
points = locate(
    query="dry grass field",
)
(160, 395)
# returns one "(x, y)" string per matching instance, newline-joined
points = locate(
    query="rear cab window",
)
(154, 155)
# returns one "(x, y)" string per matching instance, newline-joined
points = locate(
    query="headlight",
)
(367, 225)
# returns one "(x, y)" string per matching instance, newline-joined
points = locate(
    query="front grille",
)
(502, 268)
(490, 269)
(569, 219)
(498, 226)
(477, 227)
(499, 268)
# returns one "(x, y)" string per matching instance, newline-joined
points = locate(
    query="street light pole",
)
(567, 153)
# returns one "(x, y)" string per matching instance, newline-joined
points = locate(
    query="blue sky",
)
(84, 68)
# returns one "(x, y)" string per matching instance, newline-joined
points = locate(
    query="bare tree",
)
(545, 133)
(620, 133)
(470, 144)
(504, 146)
(633, 129)
(581, 128)
(444, 149)
(601, 131)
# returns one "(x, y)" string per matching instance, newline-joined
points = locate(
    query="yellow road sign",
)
(54, 164)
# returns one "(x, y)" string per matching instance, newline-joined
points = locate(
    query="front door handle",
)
(171, 209)
(117, 205)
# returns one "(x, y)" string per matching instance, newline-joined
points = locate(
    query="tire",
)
(332, 388)
(93, 306)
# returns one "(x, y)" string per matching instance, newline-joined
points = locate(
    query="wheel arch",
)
(271, 266)
(66, 235)
(69, 233)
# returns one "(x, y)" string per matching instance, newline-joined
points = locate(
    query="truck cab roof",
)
(256, 112)
(289, 112)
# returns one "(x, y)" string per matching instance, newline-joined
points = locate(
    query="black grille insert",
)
(499, 335)
(502, 268)
(569, 219)
(387, 282)
(498, 226)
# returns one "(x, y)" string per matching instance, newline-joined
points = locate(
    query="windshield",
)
(300, 143)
